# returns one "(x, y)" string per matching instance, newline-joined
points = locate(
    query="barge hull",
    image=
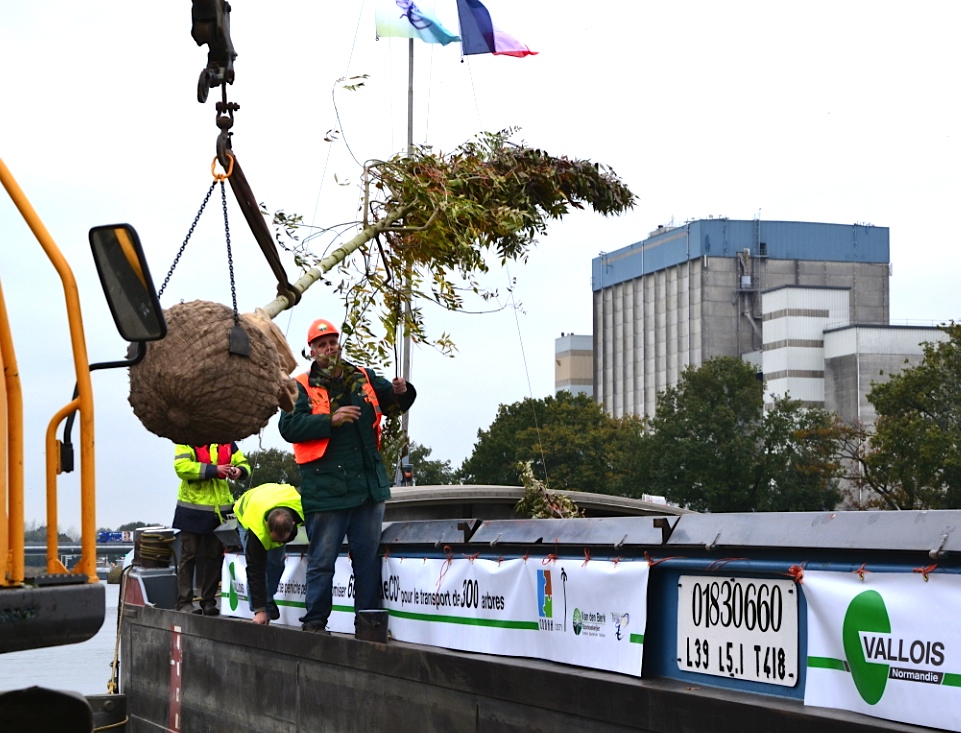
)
(240, 677)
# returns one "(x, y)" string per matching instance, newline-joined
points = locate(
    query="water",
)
(83, 668)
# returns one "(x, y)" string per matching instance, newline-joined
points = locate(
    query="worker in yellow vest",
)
(203, 500)
(269, 516)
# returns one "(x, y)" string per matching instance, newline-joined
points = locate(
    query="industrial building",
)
(574, 364)
(808, 303)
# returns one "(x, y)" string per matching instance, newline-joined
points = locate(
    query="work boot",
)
(211, 611)
(316, 629)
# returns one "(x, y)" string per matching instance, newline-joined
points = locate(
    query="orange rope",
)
(652, 562)
(447, 564)
(721, 562)
(616, 560)
(587, 556)
(924, 571)
(551, 556)
(862, 570)
(796, 572)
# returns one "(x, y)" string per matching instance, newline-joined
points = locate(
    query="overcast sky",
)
(822, 111)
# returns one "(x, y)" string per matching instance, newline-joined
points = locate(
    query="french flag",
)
(479, 34)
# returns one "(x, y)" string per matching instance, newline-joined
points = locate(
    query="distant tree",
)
(38, 535)
(712, 447)
(913, 458)
(131, 526)
(569, 440)
(429, 472)
(270, 466)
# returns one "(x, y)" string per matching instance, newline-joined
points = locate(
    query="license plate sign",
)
(739, 628)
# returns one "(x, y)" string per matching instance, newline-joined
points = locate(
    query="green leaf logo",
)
(232, 593)
(866, 612)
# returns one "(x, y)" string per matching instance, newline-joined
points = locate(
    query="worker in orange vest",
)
(335, 429)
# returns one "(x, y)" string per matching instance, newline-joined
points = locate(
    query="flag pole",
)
(405, 370)
(410, 96)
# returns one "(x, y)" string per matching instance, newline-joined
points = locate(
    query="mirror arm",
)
(137, 352)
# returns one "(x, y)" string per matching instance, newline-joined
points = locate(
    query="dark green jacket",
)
(351, 471)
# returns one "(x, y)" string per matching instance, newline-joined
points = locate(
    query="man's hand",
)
(345, 414)
(261, 618)
(225, 470)
(399, 384)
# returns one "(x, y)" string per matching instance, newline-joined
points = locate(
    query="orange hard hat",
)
(319, 328)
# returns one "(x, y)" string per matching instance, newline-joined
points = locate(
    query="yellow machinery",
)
(61, 607)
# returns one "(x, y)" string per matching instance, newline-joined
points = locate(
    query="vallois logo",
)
(866, 612)
(871, 649)
(232, 592)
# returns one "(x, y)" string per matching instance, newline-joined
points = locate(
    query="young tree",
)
(913, 459)
(432, 224)
(569, 440)
(711, 446)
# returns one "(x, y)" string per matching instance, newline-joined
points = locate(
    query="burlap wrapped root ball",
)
(191, 389)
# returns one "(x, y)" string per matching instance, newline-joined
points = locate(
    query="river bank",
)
(83, 668)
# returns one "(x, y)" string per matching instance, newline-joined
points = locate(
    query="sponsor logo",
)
(578, 622)
(872, 651)
(621, 620)
(545, 594)
(232, 593)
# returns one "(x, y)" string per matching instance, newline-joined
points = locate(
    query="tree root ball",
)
(191, 389)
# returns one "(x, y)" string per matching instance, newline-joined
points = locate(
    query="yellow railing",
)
(11, 536)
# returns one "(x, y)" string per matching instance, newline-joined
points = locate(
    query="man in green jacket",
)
(335, 430)
(268, 516)
(202, 502)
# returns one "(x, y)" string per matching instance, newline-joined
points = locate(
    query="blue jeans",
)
(362, 526)
(276, 559)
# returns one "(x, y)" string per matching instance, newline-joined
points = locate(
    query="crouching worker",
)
(268, 516)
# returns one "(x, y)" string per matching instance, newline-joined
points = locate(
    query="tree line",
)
(714, 445)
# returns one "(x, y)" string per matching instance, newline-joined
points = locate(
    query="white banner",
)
(591, 614)
(887, 646)
(291, 592)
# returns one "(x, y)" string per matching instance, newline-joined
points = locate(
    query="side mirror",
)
(126, 283)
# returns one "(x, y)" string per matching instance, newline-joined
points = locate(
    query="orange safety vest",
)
(311, 450)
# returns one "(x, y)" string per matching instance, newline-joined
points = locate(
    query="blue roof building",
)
(689, 293)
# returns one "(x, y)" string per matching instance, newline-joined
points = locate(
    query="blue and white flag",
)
(403, 19)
